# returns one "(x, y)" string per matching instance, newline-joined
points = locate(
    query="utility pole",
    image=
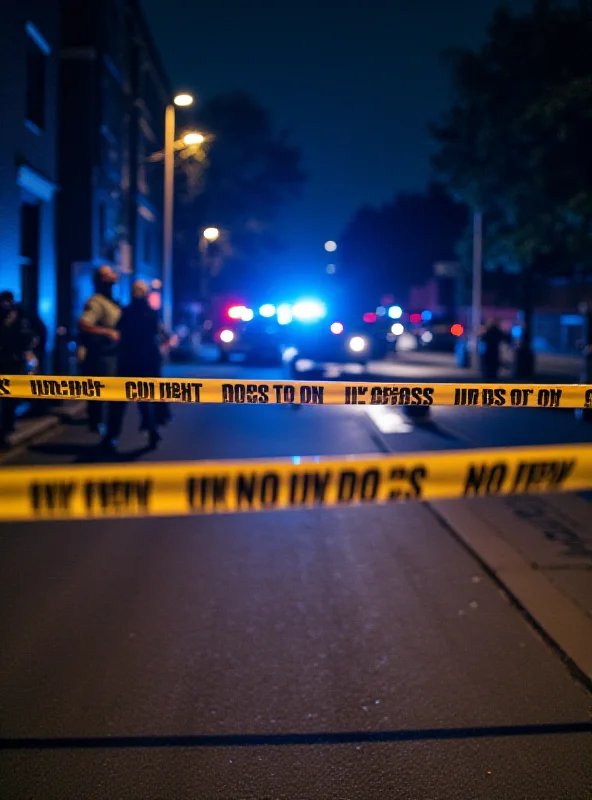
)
(169, 177)
(477, 284)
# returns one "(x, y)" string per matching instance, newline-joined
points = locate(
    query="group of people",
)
(121, 341)
(112, 341)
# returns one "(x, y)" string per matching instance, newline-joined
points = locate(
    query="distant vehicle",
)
(439, 334)
(257, 340)
(314, 341)
(184, 345)
(295, 333)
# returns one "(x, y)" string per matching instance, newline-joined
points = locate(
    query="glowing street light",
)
(183, 99)
(193, 138)
(330, 246)
(211, 234)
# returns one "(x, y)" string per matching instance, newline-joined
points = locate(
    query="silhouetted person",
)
(139, 357)
(99, 336)
(39, 350)
(491, 342)
(16, 339)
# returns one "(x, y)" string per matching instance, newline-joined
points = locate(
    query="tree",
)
(515, 143)
(389, 249)
(250, 173)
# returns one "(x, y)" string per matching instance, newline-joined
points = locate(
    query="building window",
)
(37, 52)
(147, 243)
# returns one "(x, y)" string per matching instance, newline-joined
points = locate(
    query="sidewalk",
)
(540, 550)
(550, 368)
(28, 427)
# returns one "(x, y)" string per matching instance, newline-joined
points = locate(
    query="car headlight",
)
(226, 336)
(357, 344)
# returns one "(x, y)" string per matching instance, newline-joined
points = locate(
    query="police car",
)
(314, 339)
(257, 338)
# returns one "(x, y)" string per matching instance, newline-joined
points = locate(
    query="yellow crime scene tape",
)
(209, 390)
(183, 488)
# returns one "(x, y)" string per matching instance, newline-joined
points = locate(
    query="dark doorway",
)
(30, 241)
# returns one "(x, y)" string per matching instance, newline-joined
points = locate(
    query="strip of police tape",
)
(183, 488)
(209, 390)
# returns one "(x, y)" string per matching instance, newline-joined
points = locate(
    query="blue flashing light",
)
(426, 316)
(309, 310)
(395, 312)
(267, 310)
(517, 331)
(248, 315)
(284, 314)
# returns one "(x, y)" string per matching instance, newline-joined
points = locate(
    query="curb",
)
(30, 428)
(557, 618)
(563, 623)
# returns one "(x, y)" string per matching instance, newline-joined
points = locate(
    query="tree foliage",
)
(516, 140)
(250, 173)
(389, 249)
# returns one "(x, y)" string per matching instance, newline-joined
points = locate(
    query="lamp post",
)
(208, 237)
(181, 100)
(477, 283)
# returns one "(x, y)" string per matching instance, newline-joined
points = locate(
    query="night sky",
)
(355, 83)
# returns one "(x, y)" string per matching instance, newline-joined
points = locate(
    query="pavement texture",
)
(314, 654)
(549, 367)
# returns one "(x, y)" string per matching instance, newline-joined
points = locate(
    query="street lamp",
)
(211, 234)
(193, 138)
(181, 100)
(208, 237)
(330, 246)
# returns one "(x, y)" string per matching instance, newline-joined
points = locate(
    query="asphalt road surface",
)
(349, 653)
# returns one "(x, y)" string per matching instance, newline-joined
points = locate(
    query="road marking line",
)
(388, 420)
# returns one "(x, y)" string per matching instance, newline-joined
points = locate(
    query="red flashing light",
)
(236, 312)
(369, 316)
(415, 318)
(457, 330)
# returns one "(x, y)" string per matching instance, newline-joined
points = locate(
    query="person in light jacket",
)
(100, 337)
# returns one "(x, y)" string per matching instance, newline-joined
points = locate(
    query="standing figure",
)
(99, 334)
(16, 338)
(139, 357)
(490, 344)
